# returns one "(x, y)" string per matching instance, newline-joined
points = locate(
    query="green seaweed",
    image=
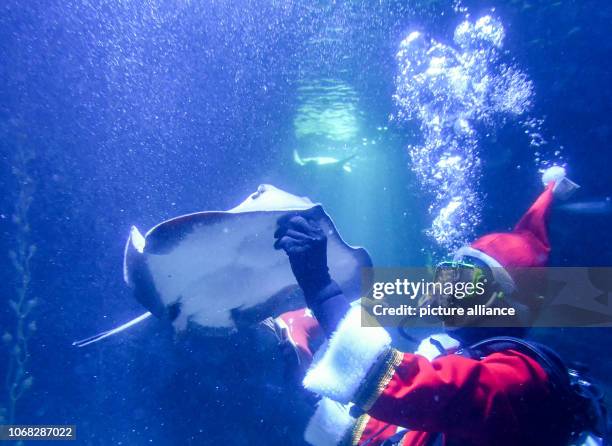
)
(15, 339)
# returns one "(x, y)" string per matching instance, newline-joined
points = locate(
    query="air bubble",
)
(449, 91)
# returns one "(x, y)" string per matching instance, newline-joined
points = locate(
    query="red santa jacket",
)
(503, 399)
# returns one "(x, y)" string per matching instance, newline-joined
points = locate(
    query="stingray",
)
(324, 161)
(217, 270)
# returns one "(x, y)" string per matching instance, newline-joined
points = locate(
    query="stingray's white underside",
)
(210, 263)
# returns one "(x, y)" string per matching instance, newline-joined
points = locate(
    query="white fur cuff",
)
(351, 352)
(330, 424)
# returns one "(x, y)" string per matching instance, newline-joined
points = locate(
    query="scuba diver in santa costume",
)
(459, 388)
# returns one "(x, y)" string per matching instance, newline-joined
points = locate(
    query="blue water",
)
(119, 113)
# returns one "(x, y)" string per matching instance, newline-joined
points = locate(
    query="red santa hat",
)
(527, 245)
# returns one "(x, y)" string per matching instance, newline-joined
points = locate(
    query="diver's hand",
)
(306, 245)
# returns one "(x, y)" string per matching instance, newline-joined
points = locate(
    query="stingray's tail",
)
(111, 332)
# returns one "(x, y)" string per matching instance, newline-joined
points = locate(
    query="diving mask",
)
(465, 279)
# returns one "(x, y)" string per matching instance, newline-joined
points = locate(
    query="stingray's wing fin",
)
(136, 273)
(134, 248)
(111, 332)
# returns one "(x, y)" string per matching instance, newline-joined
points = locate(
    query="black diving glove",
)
(306, 245)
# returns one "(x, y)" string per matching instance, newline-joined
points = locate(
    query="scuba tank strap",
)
(580, 399)
(550, 361)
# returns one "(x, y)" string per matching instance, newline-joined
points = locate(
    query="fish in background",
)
(324, 161)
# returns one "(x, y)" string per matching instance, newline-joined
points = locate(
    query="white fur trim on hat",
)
(554, 173)
(500, 275)
(564, 187)
(350, 354)
(330, 423)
